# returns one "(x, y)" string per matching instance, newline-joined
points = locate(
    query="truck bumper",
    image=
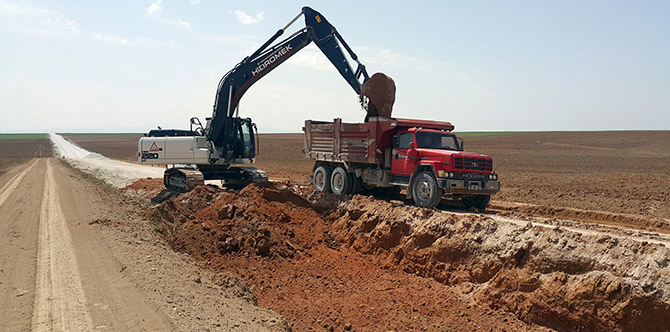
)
(468, 186)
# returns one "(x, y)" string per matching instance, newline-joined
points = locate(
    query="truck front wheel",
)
(321, 178)
(341, 181)
(476, 201)
(425, 191)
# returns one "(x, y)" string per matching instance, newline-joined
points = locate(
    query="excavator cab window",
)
(247, 141)
(244, 147)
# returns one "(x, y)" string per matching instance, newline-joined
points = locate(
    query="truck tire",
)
(425, 191)
(341, 181)
(476, 201)
(321, 178)
(357, 186)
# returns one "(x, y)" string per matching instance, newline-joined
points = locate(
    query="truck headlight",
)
(441, 174)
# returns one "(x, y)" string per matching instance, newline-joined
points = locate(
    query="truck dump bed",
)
(337, 141)
(357, 142)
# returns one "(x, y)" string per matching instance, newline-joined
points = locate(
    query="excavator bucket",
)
(380, 91)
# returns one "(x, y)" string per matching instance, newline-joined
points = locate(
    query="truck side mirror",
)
(412, 153)
(460, 144)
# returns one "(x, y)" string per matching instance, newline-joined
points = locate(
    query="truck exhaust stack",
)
(380, 91)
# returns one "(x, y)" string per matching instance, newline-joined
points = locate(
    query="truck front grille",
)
(473, 164)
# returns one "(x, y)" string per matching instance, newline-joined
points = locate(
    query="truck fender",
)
(419, 168)
(321, 163)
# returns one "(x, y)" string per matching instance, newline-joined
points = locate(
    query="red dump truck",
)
(386, 155)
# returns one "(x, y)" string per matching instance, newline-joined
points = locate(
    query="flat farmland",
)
(620, 172)
(19, 148)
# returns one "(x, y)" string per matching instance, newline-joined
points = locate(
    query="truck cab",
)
(440, 153)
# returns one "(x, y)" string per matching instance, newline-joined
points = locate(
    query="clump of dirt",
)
(145, 188)
(304, 250)
(380, 90)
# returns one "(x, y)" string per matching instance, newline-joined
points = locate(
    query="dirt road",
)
(75, 256)
(56, 275)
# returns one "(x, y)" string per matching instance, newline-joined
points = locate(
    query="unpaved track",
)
(60, 303)
(55, 272)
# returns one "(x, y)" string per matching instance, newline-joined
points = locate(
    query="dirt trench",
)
(473, 268)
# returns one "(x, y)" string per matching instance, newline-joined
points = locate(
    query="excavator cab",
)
(242, 143)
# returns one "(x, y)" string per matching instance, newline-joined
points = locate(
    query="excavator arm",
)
(220, 127)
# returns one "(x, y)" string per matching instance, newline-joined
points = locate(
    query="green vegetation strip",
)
(17, 137)
(100, 134)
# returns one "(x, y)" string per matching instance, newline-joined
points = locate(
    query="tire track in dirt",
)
(60, 304)
(9, 188)
(617, 232)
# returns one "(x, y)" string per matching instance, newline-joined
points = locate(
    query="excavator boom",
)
(254, 67)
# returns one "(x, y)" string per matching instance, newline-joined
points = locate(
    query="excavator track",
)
(182, 180)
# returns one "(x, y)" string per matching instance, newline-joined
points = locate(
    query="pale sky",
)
(128, 66)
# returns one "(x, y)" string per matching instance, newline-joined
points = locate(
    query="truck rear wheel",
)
(321, 178)
(341, 181)
(425, 191)
(476, 201)
(357, 186)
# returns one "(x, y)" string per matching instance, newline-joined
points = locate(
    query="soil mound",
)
(145, 188)
(546, 275)
(209, 222)
(555, 278)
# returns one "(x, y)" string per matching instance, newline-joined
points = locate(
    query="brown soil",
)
(121, 147)
(34, 148)
(619, 172)
(380, 90)
(145, 188)
(299, 267)
(324, 261)
(17, 152)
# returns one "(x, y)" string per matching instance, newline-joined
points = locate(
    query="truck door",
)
(401, 161)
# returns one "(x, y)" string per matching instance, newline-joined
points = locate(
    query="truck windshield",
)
(432, 140)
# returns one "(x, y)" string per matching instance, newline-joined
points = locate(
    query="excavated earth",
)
(380, 91)
(324, 261)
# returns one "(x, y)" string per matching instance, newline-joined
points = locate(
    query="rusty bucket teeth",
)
(380, 91)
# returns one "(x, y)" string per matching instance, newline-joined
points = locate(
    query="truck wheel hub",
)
(423, 190)
(319, 180)
(338, 181)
